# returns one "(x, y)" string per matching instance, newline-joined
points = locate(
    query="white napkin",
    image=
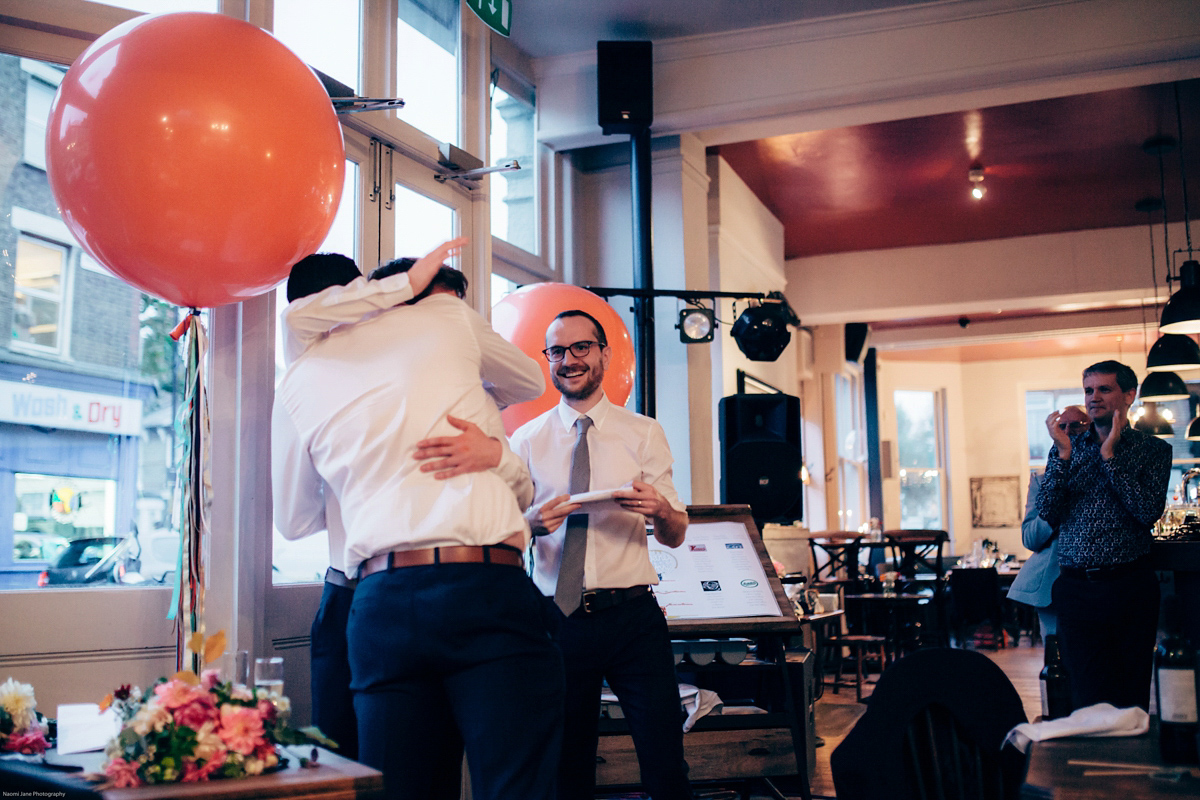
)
(696, 702)
(83, 727)
(1102, 719)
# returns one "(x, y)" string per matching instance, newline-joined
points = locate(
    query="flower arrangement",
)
(21, 728)
(186, 729)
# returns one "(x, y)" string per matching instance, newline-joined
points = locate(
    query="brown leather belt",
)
(461, 554)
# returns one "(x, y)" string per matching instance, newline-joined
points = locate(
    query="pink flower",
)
(197, 712)
(193, 772)
(122, 774)
(209, 678)
(241, 728)
(266, 709)
(175, 694)
(30, 742)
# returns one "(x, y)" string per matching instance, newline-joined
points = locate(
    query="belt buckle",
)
(589, 597)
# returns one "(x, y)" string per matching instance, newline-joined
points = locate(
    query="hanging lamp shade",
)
(1153, 423)
(1160, 386)
(1173, 352)
(1193, 430)
(1182, 312)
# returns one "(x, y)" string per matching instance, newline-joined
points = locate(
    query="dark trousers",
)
(629, 645)
(1106, 631)
(332, 700)
(459, 648)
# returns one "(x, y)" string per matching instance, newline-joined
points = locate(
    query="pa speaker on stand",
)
(760, 455)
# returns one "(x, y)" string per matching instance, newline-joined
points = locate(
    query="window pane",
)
(421, 223)
(513, 211)
(88, 449)
(325, 35)
(916, 440)
(39, 96)
(427, 66)
(921, 498)
(1038, 405)
(501, 287)
(305, 560)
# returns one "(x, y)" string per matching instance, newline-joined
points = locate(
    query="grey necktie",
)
(569, 590)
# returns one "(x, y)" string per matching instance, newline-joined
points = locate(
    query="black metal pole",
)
(643, 270)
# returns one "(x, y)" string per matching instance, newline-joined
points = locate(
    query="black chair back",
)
(933, 729)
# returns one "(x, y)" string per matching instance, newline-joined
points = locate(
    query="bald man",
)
(1036, 578)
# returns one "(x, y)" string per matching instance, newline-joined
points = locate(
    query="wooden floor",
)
(836, 714)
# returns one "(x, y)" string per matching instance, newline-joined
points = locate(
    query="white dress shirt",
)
(351, 408)
(623, 447)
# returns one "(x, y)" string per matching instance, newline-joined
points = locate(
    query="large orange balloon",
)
(523, 317)
(195, 156)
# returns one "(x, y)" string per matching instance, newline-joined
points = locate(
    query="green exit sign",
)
(496, 14)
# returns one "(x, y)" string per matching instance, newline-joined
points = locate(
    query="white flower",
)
(18, 700)
(253, 766)
(242, 693)
(150, 718)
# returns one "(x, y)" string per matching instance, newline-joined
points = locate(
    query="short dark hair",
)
(1127, 379)
(446, 278)
(319, 271)
(575, 312)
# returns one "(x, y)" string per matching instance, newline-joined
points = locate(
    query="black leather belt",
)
(459, 554)
(1108, 572)
(599, 599)
(338, 578)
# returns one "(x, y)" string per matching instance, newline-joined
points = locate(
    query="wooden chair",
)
(934, 729)
(921, 552)
(834, 557)
(975, 600)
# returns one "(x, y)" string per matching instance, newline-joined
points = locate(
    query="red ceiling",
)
(1072, 163)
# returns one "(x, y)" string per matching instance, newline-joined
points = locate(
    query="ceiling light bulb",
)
(978, 192)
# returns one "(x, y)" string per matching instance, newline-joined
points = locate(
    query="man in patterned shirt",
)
(1104, 489)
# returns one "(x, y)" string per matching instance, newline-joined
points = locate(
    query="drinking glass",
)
(268, 674)
(236, 668)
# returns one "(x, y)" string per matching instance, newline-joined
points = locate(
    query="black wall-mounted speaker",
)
(760, 455)
(856, 341)
(624, 86)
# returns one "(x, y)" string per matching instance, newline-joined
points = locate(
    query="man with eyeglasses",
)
(1104, 489)
(593, 559)
(1034, 582)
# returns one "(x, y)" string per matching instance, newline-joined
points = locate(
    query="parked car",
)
(90, 560)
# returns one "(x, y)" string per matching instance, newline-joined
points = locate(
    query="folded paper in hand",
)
(1101, 719)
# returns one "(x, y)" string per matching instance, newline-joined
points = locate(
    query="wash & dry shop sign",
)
(26, 404)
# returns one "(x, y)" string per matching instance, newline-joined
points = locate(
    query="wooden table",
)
(1051, 776)
(335, 778)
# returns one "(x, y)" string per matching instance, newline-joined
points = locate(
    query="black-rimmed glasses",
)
(578, 349)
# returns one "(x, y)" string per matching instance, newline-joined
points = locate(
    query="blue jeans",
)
(629, 645)
(456, 647)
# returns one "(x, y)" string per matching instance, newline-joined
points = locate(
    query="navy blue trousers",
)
(463, 648)
(332, 700)
(1106, 630)
(629, 645)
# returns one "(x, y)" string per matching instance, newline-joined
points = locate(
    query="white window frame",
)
(39, 78)
(939, 455)
(53, 232)
(853, 376)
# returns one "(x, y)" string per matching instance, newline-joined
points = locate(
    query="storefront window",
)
(88, 387)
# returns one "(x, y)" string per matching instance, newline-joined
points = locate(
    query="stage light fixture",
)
(761, 332)
(697, 325)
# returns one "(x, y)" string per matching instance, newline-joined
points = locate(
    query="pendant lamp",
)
(1150, 421)
(1182, 312)
(1173, 352)
(1161, 386)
